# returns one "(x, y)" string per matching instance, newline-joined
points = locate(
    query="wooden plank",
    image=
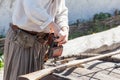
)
(107, 72)
(85, 74)
(97, 75)
(68, 73)
(68, 77)
(99, 65)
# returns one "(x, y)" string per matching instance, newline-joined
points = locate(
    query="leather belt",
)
(15, 28)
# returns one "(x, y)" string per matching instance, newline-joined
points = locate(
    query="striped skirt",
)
(19, 60)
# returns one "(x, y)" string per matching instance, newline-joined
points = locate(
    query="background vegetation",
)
(1, 50)
(100, 22)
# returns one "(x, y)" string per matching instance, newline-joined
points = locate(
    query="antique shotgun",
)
(42, 73)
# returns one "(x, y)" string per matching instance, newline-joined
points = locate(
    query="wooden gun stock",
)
(42, 73)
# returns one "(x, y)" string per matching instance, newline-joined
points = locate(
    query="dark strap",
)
(15, 28)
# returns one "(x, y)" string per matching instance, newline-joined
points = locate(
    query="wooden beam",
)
(108, 68)
(85, 74)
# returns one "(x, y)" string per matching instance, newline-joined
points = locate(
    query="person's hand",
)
(62, 34)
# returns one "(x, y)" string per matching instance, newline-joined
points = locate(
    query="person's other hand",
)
(62, 34)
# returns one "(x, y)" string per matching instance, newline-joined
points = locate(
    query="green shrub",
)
(101, 16)
(1, 53)
(1, 59)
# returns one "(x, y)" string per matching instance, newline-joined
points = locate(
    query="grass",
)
(1, 54)
(1, 64)
(1, 59)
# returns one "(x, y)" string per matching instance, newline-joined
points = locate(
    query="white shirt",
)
(36, 15)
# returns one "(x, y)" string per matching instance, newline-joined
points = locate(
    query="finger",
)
(63, 42)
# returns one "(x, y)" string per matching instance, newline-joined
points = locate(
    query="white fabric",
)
(36, 15)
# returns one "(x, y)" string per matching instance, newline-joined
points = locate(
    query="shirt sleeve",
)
(36, 13)
(62, 15)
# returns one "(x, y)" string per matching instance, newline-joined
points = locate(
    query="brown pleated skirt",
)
(19, 60)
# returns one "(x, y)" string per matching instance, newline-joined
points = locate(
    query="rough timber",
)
(95, 70)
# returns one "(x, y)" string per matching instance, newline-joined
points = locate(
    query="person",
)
(23, 51)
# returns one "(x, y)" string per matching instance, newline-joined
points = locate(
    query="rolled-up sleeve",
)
(62, 15)
(36, 13)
